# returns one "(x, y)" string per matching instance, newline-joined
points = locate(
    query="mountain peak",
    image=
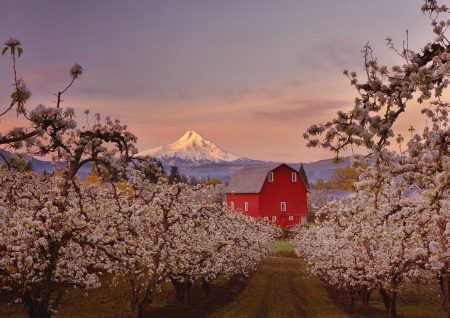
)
(192, 137)
(194, 148)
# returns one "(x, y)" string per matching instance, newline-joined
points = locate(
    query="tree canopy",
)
(383, 237)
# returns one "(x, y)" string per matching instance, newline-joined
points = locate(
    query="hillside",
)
(40, 165)
(202, 169)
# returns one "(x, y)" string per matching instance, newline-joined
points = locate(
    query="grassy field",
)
(280, 288)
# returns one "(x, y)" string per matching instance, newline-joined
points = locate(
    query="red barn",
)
(275, 192)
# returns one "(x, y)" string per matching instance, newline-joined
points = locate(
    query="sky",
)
(249, 75)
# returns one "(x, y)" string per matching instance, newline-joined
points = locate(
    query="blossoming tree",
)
(43, 219)
(57, 231)
(395, 237)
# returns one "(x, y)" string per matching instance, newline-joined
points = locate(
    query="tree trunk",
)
(179, 293)
(384, 296)
(390, 298)
(205, 285)
(37, 300)
(444, 283)
(364, 294)
(134, 299)
(187, 290)
(351, 296)
(135, 309)
(37, 305)
(28, 300)
(392, 303)
(139, 310)
(182, 290)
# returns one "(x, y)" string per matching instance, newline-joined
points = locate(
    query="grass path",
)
(279, 289)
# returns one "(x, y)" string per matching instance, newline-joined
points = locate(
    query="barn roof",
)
(251, 178)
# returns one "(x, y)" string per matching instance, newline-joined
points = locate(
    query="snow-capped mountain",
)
(192, 148)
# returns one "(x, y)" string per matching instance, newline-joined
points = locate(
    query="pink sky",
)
(250, 76)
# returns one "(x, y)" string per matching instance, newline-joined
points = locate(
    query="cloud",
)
(306, 109)
(46, 74)
(277, 154)
(130, 92)
(244, 93)
(294, 83)
(329, 55)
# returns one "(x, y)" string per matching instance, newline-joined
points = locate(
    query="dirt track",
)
(281, 289)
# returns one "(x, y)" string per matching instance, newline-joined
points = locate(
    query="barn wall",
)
(282, 189)
(239, 202)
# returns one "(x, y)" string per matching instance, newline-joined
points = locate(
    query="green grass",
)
(414, 300)
(283, 248)
(221, 280)
(280, 289)
(420, 301)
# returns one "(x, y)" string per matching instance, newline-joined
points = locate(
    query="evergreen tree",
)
(151, 174)
(29, 167)
(303, 174)
(20, 162)
(174, 176)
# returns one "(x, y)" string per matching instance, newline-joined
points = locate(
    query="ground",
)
(280, 288)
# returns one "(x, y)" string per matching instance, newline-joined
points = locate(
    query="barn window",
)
(232, 205)
(291, 218)
(266, 218)
(294, 177)
(274, 218)
(246, 206)
(270, 177)
(283, 206)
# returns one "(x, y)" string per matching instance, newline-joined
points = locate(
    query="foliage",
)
(174, 175)
(304, 176)
(153, 175)
(321, 184)
(92, 177)
(20, 162)
(213, 181)
(344, 178)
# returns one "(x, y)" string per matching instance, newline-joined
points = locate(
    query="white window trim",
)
(291, 218)
(232, 204)
(270, 176)
(294, 177)
(246, 206)
(283, 206)
(274, 218)
(266, 218)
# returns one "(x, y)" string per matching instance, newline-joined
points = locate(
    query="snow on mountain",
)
(194, 148)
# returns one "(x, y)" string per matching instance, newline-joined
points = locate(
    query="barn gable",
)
(251, 179)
